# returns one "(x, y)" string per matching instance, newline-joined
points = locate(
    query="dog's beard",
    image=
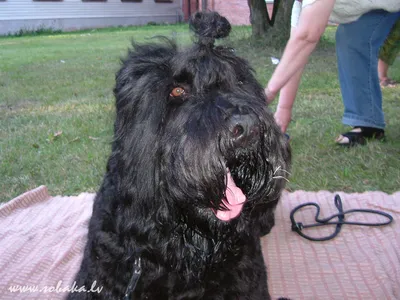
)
(209, 176)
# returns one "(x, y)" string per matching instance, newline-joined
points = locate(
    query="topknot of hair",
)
(209, 26)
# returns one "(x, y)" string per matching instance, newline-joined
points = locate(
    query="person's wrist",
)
(270, 94)
(281, 106)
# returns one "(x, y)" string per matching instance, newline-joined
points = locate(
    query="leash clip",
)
(137, 271)
(297, 227)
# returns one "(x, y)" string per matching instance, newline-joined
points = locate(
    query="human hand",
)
(283, 117)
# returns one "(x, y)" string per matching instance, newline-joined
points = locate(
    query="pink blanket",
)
(42, 239)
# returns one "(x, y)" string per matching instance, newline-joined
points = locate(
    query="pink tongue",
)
(234, 201)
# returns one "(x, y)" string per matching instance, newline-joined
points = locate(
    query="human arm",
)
(302, 42)
(287, 96)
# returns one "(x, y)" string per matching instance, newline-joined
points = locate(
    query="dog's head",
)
(193, 135)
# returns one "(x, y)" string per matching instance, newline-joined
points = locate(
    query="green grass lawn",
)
(57, 110)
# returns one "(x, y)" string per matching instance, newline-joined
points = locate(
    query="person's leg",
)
(357, 47)
(391, 46)
(388, 54)
(383, 68)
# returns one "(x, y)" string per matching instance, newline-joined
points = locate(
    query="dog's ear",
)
(143, 73)
(141, 93)
(141, 90)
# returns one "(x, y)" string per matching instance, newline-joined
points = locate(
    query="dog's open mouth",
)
(233, 202)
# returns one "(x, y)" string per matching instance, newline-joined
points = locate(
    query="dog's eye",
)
(177, 92)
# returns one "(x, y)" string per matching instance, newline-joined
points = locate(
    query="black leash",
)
(298, 226)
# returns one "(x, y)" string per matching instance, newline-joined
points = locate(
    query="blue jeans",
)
(357, 49)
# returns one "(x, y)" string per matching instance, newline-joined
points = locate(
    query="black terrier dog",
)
(197, 167)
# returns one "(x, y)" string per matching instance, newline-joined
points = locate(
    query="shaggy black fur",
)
(184, 118)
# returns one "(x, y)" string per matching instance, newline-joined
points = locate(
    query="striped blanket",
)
(42, 240)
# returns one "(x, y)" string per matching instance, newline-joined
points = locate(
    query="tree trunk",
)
(203, 5)
(278, 34)
(258, 18)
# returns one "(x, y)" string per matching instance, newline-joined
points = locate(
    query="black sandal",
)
(359, 135)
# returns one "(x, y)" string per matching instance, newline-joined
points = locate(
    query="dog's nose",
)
(243, 128)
